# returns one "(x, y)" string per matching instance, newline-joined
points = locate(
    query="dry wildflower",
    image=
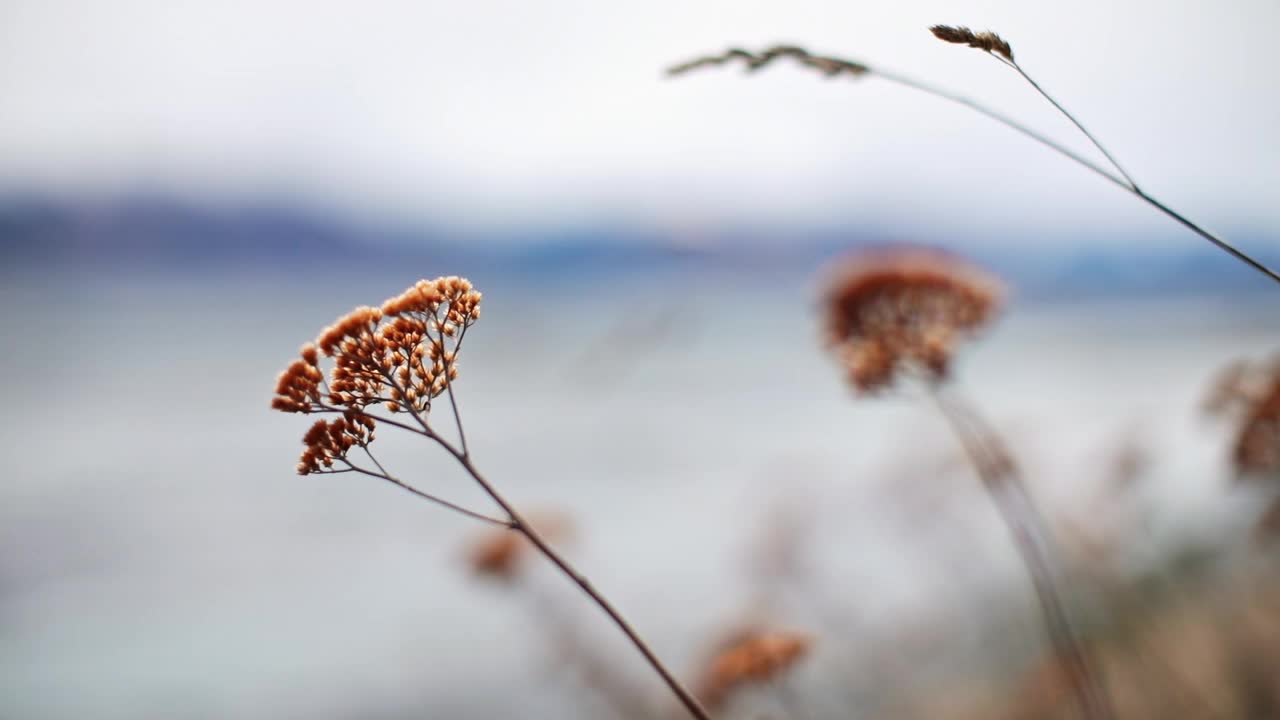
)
(829, 66)
(751, 657)
(401, 356)
(499, 553)
(903, 310)
(986, 40)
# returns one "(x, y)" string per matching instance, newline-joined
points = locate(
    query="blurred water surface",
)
(161, 559)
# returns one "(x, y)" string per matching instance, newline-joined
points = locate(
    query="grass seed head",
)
(829, 66)
(986, 40)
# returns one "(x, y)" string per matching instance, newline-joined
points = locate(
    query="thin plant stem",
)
(1001, 118)
(1110, 158)
(351, 467)
(522, 526)
(1139, 192)
(519, 524)
(1027, 528)
(1123, 180)
(453, 402)
(319, 408)
(367, 359)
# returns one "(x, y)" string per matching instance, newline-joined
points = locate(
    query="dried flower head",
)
(986, 40)
(1250, 392)
(500, 552)
(896, 311)
(401, 356)
(751, 657)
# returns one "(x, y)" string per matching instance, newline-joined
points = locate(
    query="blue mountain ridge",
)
(43, 231)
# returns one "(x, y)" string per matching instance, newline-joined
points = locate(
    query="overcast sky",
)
(556, 113)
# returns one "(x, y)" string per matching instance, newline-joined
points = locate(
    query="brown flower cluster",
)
(328, 442)
(986, 40)
(903, 310)
(298, 387)
(401, 355)
(751, 657)
(1251, 393)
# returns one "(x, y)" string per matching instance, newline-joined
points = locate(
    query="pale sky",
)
(497, 114)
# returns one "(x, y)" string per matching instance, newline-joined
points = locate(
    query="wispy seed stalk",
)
(991, 43)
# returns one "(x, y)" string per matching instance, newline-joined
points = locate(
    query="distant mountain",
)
(139, 228)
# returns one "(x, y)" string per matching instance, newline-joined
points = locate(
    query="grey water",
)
(159, 557)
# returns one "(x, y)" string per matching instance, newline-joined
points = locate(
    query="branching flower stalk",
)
(898, 315)
(401, 357)
(998, 48)
(504, 558)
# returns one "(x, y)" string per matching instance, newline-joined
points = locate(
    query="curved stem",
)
(1028, 530)
(448, 385)
(1123, 180)
(519, 524)
(322, 408)
(1114, 163)
(428, 496)
(1133, 186)
(515, 521)
(522, 526)
(835, 66)
(1001, 118)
